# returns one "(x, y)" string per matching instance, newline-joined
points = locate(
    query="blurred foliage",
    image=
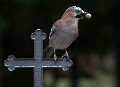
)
(3, 26)
(102, 81)
(93, 52)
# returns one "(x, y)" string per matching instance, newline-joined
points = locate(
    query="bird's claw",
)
(66, 56)
(55, 58)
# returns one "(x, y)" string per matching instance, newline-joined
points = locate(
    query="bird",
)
(65, 30)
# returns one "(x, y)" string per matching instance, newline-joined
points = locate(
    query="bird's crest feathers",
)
(74, 7)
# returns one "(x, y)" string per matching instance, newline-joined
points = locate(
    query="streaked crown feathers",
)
(74, 7)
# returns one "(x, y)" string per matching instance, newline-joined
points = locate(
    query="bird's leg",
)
(55, 57)
(66, 54)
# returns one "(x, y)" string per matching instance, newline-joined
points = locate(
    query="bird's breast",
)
(64, 37)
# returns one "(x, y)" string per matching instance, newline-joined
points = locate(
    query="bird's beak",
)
(85, 15)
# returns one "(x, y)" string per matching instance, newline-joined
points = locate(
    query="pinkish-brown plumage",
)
(65, 30)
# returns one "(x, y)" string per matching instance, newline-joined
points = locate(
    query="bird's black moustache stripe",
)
(78, 16)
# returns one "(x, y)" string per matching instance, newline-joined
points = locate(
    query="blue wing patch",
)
(51, 32)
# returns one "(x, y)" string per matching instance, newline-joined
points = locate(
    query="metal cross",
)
(38, 62)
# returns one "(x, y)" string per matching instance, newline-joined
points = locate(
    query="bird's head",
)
(76, 13)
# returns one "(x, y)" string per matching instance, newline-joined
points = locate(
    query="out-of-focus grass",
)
(100, 81)
(63, 82)
(48, 79)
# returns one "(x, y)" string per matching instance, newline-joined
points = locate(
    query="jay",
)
(65, 30)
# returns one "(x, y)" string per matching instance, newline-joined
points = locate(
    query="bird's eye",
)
(77, 11)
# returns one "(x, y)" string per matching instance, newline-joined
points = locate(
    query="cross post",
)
(38, 62)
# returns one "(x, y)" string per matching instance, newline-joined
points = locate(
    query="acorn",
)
(88, 15)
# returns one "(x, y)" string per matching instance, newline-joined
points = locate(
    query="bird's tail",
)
(48, 52)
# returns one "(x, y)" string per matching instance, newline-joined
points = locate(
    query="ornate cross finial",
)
(38, 62)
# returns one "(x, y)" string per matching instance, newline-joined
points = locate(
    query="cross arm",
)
(12, 62)
(63, 63)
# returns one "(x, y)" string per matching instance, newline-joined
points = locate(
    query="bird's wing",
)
(55, 27)
(51, 32)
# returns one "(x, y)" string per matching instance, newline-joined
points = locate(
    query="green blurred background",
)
(95, 53)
